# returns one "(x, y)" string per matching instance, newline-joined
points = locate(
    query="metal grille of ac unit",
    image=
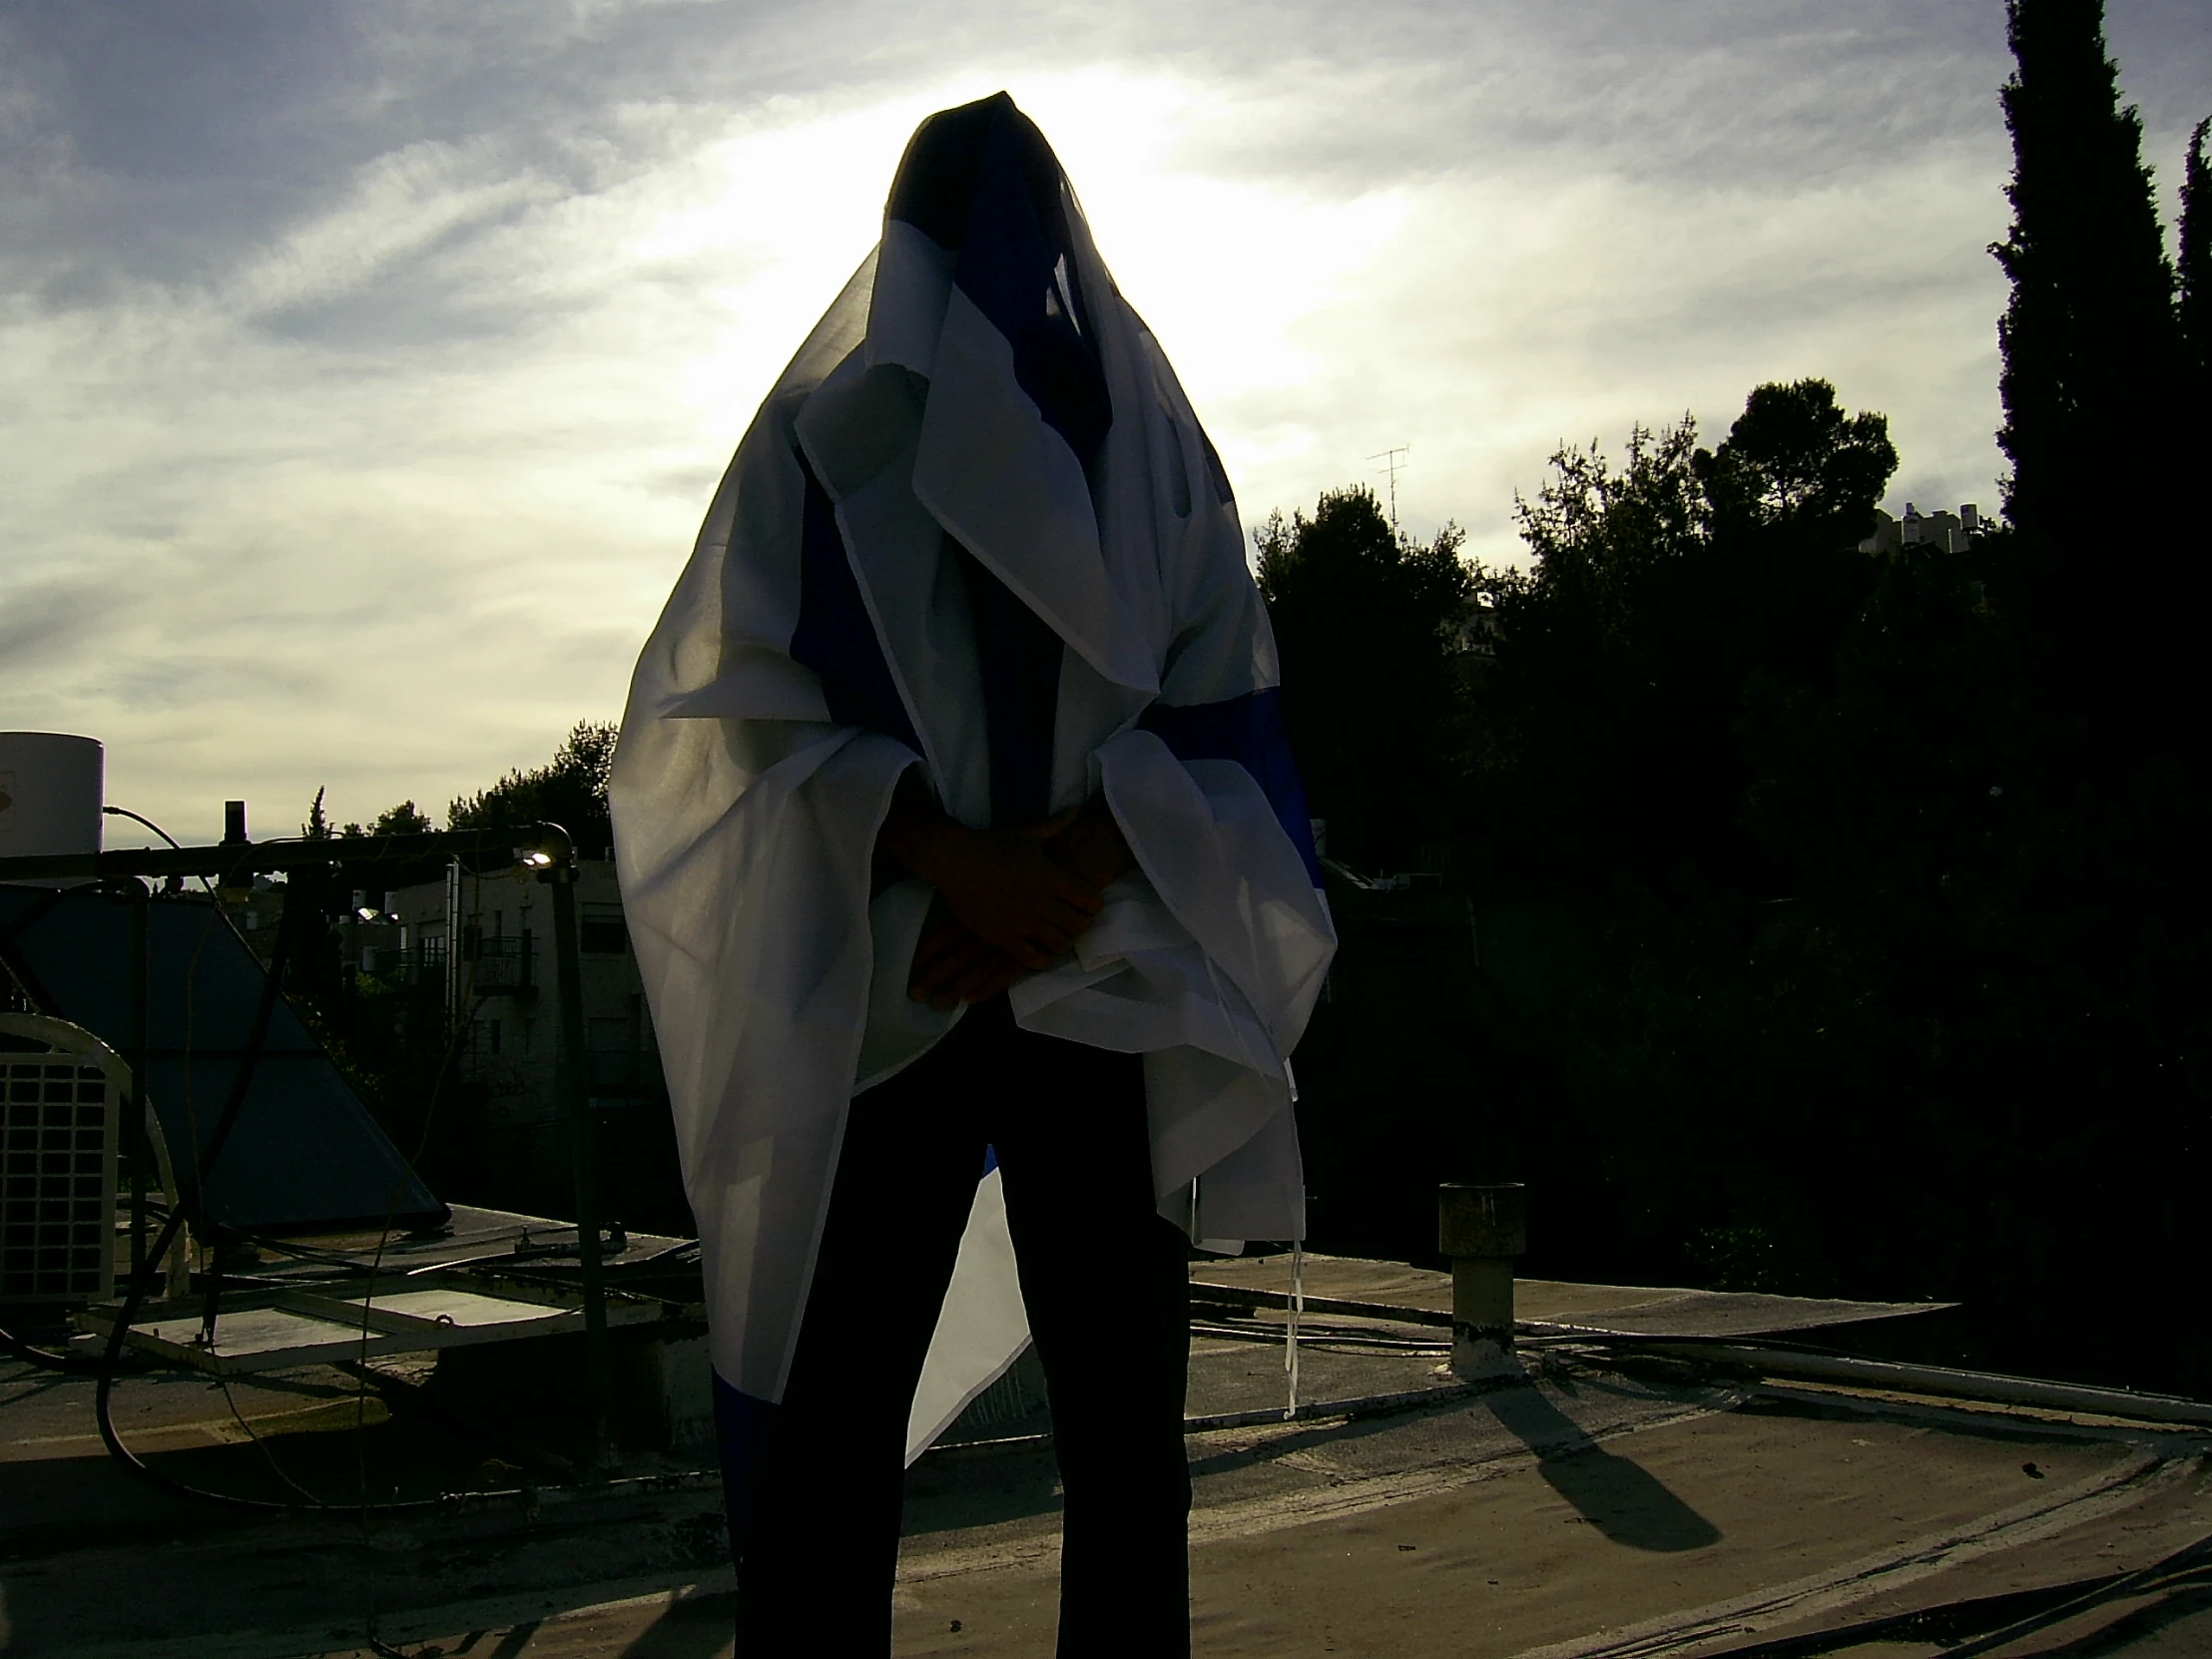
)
(57, 1179)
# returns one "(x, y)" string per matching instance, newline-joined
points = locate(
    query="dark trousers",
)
(1105, 1282)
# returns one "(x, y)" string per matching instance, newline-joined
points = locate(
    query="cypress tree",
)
(2093, 382)
(2196, 269)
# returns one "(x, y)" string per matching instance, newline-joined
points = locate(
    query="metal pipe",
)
(491, 847)
(1483, 1228)
(1936, 1380)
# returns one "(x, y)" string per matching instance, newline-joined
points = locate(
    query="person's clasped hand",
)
(1016, 900)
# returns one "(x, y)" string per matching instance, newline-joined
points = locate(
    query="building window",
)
(603, 930)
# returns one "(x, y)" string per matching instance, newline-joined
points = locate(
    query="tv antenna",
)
(1391, 465)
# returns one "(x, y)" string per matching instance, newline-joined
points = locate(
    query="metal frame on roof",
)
(546, 848)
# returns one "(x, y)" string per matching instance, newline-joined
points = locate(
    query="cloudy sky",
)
(366, 367)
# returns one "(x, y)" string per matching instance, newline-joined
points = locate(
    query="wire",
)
(109, 1368)
(256, 1034)
(141, 817)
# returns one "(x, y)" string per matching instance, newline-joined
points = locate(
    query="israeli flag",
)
(979, 396)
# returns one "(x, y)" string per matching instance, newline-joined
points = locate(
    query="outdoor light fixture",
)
(533, 861)
(365, 913)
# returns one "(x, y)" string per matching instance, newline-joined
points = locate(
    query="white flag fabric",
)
(979, 390)
(982, 1330)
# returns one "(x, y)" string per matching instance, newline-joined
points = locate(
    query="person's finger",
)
(936, 951)
(1005, 976)
(938, 943)
(1051, 947)
(1069, 923)
(1066, 885)
(952, 949)
(946, 987)
(1046, 829)
(1057, 930)
(960, 979)
(984, 978)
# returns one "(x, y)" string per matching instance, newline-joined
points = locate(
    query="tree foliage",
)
(570, 791)
(2089, 335)
(1815, 954)
(2104, 414)
(1673, 606)
(2193, 267)
(1364, 620)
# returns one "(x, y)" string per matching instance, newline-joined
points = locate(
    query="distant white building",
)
(479, 948)
(1948, 532)
(1474, 635)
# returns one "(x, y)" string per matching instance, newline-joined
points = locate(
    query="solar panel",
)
(304, 1155)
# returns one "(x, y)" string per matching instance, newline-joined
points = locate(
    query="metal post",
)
(1483, 1228)
(453, 1009)
(134, 1121)
(583, 1148)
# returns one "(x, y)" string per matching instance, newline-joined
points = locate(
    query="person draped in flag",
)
(973, 887)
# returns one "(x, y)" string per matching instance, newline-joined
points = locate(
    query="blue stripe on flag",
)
(1019, 656)
(1247, 729)
(835, 636)
(982, 182)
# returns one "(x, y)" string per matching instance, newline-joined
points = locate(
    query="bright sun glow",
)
(785, 213)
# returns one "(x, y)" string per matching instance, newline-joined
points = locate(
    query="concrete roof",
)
(1606, 1506)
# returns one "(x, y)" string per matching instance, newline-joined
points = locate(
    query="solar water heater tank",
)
(51, 787)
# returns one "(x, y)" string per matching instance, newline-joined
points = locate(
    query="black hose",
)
(45, 1358)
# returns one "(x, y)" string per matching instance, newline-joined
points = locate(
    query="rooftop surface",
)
(1616, 1503)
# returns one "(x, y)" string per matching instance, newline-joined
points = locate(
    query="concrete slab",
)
(1614, 1310)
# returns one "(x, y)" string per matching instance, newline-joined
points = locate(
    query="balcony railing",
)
(498, 964)
(504, 965)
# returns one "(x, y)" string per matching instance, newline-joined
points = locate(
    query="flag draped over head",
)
(974, 529)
